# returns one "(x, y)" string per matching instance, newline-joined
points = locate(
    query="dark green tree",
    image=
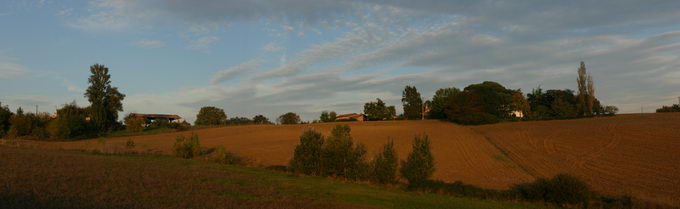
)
(307, 154)
(70, 122)
(419, 165)
(439, 101)
(105, 100)
(261, 119)
(210, 116)
(328, 116)
(342, 157)
(5, 116)
(378, 110)
(289, 118)
(385, 165)
(496, 98)
(412, 102)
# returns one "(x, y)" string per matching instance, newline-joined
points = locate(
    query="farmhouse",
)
(149, 118)
(351, 117)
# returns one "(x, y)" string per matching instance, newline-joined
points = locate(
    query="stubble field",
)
(627, 154)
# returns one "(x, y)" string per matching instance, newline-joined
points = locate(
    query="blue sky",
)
(274, 56)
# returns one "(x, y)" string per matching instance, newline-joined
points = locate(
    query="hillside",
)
(626, 154)
(55, 179)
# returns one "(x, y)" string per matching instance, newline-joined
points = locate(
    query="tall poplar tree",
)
(105, 100)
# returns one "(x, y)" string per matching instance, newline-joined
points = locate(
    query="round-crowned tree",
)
(210, 116)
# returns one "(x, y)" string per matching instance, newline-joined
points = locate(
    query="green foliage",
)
(210, 116)
(561, 189)
(378, 110)
(70, 122)
(307, 155)
(239, 121)
(672, 108)
(105, 100)
(412, 102)
(385, 165)
(327, 116)
(221, 155)
(261, 119)
(289, 118)
(134, 125)
(187, 147)
(610, 110)
(29, 125)
(341, 157)
(5, 116)
(440, 101)
(468, 108)
(419, 165)
(495, 97)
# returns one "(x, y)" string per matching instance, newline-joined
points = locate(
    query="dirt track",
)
(627, 154)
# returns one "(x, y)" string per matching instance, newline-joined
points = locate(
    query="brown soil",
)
(627, 154)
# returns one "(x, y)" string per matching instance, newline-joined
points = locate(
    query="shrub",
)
(561, 189)
(134, 125)
(221, 155)
(307, 155)
(610, 110)
(672, 108)
(385, 164)
(567, 189)
(187, 147)
(419, 165)
(341, 157)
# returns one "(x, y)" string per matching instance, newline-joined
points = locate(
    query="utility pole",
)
(36, 109)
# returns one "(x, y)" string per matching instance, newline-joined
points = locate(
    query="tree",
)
(586, 91)
(5, 116)
(105, 100)
(133, 124)
(307, 154)
(413, 104)
(419, 165)
(672, 108)
(21, 124)
(260, 119)
(378, 110)
(341, 157)
(210, 116)
(385, 164)
(467, 108)
(610, 110)
(289, 118)
(70, 122)
(328, 116)
(496, 98)
(439, 101)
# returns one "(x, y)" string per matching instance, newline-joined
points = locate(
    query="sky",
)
(270, 57)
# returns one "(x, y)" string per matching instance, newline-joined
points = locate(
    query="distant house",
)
(149, 118)
(351, 117)
(517, 114)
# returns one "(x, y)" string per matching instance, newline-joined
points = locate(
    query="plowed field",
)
(626, 154)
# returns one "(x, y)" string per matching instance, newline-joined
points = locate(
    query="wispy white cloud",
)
(149, 43)
(11, 70)
(272, 47)
(230, 73)
(203, 42)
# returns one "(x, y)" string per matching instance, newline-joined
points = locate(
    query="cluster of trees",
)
(378, 110)
(214, 116)
(672, 108)
(338, 155)
(491, 102)
(71, 121)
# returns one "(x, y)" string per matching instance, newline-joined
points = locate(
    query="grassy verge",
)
(67, 179)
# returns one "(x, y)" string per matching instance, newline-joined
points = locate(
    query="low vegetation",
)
(37, 178)
(187, 147)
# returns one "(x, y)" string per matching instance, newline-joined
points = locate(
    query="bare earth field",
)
(627, 154)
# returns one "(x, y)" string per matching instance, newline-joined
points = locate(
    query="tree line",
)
(71, 121)
(491, 102)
